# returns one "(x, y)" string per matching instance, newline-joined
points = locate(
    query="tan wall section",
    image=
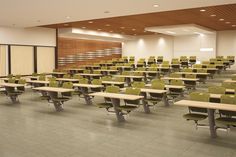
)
(45, 59)
(22, 60)
(3, 61)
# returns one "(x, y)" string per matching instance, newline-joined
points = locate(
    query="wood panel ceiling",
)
(218, 18)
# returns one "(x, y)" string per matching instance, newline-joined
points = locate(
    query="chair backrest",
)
(202, 70)
(53, 84)
(104, 68)
(154, 65)
(152, 69)
(187, 70)
(228, 99)
(175, 62)
(106, 78)
(176, 82)
(10, 76)
(158, 85)
(138, 84)
(67, 85)
(97, 82)
(206, 62)
(77, 77)
(18, 76)
(112, 89)
(83, 81)
(11, 80)
(158, 81)
(197, 96)
(175, 75)
(175, 59)
(234, 77)
(165, 65)
(42, 78)
(113, 67)
(138, 74)
(166, 62)
(119, 79)
(125, 73)
(197, 66)
(191, 76)
(132, 91)
(52, 79)
(66, 76)
(96, 72)
(141, 69)
(193, 57)
(229, 85)
(22, 81)
(211, 66)
(86, 71)
(216, 90)
(34, 74)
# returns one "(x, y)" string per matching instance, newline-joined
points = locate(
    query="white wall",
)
(151, 45)
(226, 43)
(190, 45)
(28, 36)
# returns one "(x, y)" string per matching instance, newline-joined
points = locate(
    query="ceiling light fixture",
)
(68, 17)
(99, 29)
(133, 29)
(227, 22)
(135, 34)
(221, 19)
(107, 25)
(90, 22)
(155, 5)
(83, 27)
(122, 27)
(170, 32)
(233, 25)
(66, 24)
(111, 31)
(202, 10)
(213, 15)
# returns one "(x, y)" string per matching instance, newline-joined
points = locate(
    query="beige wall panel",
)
(3, 61)
(22, 60)
(45, 59)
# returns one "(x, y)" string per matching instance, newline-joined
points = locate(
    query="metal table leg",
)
(86, 96)
(145, 105)
(166, 102)
(211, 118)
(119, 115)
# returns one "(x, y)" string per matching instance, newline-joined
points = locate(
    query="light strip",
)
(206, 49)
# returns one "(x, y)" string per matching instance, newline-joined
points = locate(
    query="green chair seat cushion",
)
(104, 105)
(226, 121)
(127, 107)
(194, 116)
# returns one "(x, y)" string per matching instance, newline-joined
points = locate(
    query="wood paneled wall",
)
(69, 46)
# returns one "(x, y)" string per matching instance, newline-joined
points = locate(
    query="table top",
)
(231, 81)
(108, 70)
(87, 85)
(117, 96)
(137, 71)
(193, 73)
(53, 89)
(11, 85)
(37, 81)
(150, 90)
(67, 79)
(169, 86)
(113, 82)
(180, 78)
(58, 73)
(209, 105)
(90, 74)
(215, 69)
(128, 76)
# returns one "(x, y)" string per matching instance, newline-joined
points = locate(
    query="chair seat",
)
(104, 105)
(226, 121)
(195, 116)
(127, 108)
(61, 99)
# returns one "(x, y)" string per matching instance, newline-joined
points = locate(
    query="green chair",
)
(216, 90)
(96, 82)
(83, 81)
(34, 74)
(227, 118)
(11, 80)
(141, 69)
(87, 72)
(52, 78)
(42, 78)
(66, 76)
(234, 77)
(108, 104)
(229, 85)
(138, 79)
(18, 77)
(155, 98)
(21, 89)
(175, 75)
(131, 59)
(106, 78)
(138, 85)
(187, 70)
(190, 84)
(202, 70)
(197, 66)
(10, 76)
(157, 81)
(77, 77)
(174, 93)
(130, 105)
(195, 113)
(120, 79)
(125, 73)
(53, 84)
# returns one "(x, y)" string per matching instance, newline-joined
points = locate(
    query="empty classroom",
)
(121, 78)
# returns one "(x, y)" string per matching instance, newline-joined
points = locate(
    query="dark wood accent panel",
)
(56, 50)
(35, 60)
(176, 17)
(69, 46)
(9, 59)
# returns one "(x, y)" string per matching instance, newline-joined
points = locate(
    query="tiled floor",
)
(34, 129)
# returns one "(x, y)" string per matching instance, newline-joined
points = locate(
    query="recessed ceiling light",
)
(66, 24)
(170, 32)
(135, 34)
(221, 19)
(111, 31)
(68, 17)
(83, 27)
(122, 27)
(213, 15)
(202, 10)
(107, 25)
(133, 29)
(155, 5)
(99, 29)
(227, 22)
(233, 25)
(106, 12)
(90, 22)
